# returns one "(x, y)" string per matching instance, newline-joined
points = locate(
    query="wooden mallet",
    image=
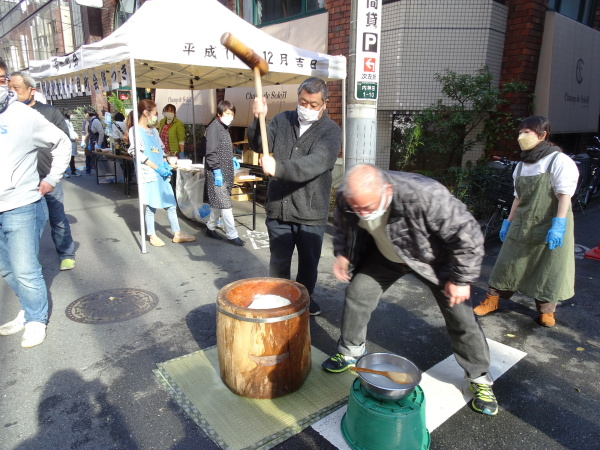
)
(259, 66)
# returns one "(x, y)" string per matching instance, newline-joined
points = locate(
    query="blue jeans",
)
(284, 237)
(20, 231)
(59, 225)
(171, 215)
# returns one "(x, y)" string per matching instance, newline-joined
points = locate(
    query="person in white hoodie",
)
(23, 133)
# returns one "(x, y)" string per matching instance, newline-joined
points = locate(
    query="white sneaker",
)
(35, 333)
(14, 326)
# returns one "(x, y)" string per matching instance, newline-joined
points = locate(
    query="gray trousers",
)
(372, 278)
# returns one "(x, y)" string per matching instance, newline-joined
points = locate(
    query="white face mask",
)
(226, 120)
(6, 97)
(308, 115)
(169, 115)
(380, 211)
(152, 120)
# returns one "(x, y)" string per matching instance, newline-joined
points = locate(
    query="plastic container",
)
(371, 424)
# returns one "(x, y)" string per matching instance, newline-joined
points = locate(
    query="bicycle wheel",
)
(491, 227)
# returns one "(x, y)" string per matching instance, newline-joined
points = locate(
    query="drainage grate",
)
(114, 305)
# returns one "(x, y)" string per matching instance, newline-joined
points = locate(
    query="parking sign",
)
(368, 27)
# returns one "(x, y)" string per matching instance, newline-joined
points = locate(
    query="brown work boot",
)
(489, 304)
(547, 319)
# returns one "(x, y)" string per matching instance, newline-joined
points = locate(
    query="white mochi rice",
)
(268, 301)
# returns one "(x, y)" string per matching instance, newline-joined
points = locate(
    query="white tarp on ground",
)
(189, 55)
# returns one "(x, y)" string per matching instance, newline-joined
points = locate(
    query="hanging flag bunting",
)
(87, 84)
(114, 77)
(96, 83)
(124, 75)
(65, 89)
(105, 81)
(78, 86)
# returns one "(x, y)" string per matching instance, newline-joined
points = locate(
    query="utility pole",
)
(363, 75)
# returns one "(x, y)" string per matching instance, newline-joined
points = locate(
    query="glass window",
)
(124, 9)
(579, 10)
(270, 11)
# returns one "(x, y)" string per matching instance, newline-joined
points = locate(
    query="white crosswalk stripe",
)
(446, 391)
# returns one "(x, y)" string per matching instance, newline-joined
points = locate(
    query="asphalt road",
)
(91, 386)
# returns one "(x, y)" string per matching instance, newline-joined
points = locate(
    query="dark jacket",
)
(301, 188)
(219, 155)
(54, 116)
(431, 230)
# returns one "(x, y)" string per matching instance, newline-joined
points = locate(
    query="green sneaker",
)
(338, 363)
(484, 400)
(67, 264)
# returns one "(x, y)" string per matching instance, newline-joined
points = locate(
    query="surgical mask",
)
(226, 120)
(6, 97)
(308, 115)
(527, 141)
(380, 211)
(169, 115)
(152, 120)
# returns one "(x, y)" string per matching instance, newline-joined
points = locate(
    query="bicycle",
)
(500, 191)
(592, 186)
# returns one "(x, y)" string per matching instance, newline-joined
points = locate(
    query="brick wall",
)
(339, 44)
(522, 46)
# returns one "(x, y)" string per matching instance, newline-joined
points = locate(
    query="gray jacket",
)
(431, 230)
(301, 188)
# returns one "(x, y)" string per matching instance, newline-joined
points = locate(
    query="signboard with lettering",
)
(368, 38)
(567, 89)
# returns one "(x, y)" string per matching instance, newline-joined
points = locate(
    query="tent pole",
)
(194, 128)
(343, 126)
(137, 153)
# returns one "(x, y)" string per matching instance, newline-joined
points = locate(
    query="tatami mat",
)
(235, 422)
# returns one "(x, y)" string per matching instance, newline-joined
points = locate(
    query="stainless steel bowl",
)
(381, 387)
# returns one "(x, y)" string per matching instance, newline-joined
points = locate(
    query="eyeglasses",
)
(361, 210)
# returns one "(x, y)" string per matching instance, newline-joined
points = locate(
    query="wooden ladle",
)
(396, 377)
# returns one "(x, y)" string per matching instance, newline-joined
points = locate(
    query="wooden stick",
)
(261, 117)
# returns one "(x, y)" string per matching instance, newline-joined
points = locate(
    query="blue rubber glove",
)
(504, 229)
(82, 144)
(218, 177)
(204, 210)
(166, 165)
(96, 146)
(554, 238)
(163, 171)
(236, 163)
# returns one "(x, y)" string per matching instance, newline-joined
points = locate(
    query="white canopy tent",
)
(189, 57)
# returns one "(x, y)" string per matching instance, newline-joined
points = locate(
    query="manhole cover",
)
(114, 305)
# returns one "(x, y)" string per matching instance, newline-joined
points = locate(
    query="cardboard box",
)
(241, 194)
(250, 157)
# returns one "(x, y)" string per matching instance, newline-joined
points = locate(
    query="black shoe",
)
(313, 308)
(213, 234)
(237, 241)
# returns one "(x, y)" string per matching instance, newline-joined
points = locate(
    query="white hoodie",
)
(22, 132)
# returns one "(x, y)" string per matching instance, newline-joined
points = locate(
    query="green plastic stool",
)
(371, 424)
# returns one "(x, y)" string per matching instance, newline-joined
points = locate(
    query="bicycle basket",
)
(501, 188)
